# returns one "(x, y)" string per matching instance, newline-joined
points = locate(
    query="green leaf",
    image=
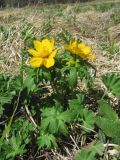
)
(46, 75)
(85, 155)
(90, 152)
(7, 129)
(16, 83)
(29, 84)
(16, 147)
(54, 120)
(112, 82)
(83, 115)
(23, 127)
(46, 140)
(72, 79)
(4, 98)
(81, 97)
(108, 121)
(87, 118)
(74, 104)
(97, 148)
(110, 128)
(107, 111)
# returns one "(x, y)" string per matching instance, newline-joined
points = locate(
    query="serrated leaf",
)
(112, 82)
(4, 98)
(54, 120)
(110, 128)
(16, 146)
(74, 104)
(16, 83)
(46, 140)
(66, 116)
(85, 155)
(29, 84)
(90, 152)
(72, 79)
(46, 75)
(75, 108)
(107, 111)
(87, 118)
(81, 97)
(62, 127)
(97, 148)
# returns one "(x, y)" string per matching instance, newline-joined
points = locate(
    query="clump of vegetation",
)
(52, 106)
(39, 105)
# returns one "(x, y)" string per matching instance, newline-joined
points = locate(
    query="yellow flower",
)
(43, 54)
(80, 49)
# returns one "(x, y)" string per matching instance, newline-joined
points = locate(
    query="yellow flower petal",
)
(53, 54)
(80, 49)
(86, 50)
(49, 62)
(37, 45)
(36, 62)
(46, 44)
(33, 52)
(73, 42)
(42, 48)
(81, 45)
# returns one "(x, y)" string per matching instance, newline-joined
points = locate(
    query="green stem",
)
(38, 71)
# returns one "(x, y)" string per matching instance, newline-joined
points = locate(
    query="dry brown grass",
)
(88, 26)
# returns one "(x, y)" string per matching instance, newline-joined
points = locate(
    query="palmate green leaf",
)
(46, 112)
(54, 120)
(112, 82)
(4, 98)
(46, 140)
(83, 115)
(16, 83)
(85, 155)
(108, 121)
(4, 83)
(81, 97)
(46, 75)
(90, 152)
(5, 94)
(87, 118)
(15, 147)
(106, 111)
(23, 127)
(72, 79)
(75, 105)
(110, 128)
(29, 84)
(97, 148)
